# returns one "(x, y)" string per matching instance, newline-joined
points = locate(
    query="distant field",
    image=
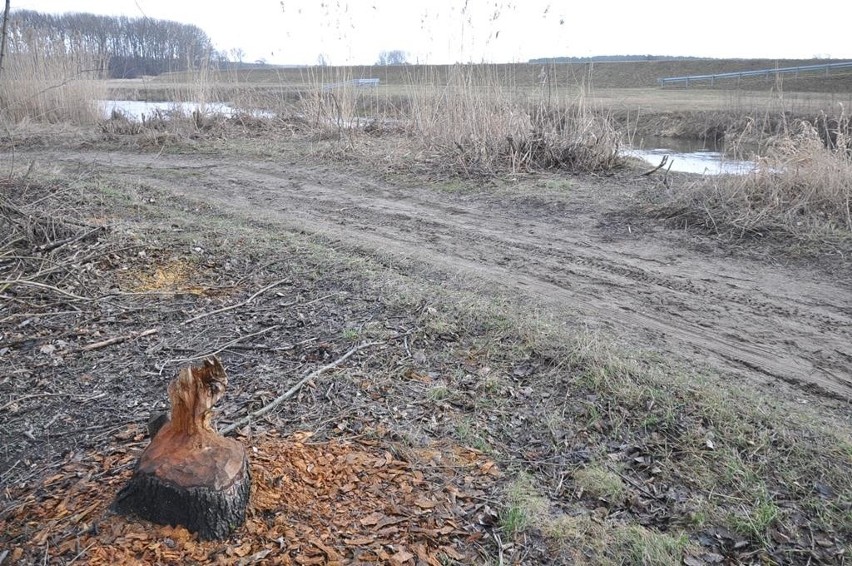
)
(621, 87)
(633, 74)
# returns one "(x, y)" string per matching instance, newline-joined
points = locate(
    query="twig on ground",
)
(82, 398)
(636, 484)
(218, 350)
(71, 240)
(237, 305)
(118, 339)
(82, 552)
(313, 301)
(29, 283)
(293, 390)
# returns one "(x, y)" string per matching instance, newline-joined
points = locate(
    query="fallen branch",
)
(238, 305)
(313, 301)
(658, 167)
(72, 240)
(118, 339)
(27, 283)
(293, 390)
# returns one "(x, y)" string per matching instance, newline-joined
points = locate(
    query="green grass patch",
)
(600, 483)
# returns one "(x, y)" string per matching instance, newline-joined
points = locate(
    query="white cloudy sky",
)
(446, 31)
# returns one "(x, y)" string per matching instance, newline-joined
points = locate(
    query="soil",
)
(86, 360)
(573, 249)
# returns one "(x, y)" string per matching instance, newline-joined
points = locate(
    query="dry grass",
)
(483, 123)
(473, 120)
(468, 119)
(44, 84)
(802, 185)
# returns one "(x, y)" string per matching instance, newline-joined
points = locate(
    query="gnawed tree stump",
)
(190, 475)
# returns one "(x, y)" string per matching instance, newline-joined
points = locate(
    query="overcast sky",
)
(447, 31)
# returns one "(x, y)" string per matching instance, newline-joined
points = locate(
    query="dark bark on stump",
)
(213, 514)
(190, 475)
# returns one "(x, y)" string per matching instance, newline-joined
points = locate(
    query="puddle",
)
(136, 109)
(690, 156)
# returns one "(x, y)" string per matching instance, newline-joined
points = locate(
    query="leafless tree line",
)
(128, 47)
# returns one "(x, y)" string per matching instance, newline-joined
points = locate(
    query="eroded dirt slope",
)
(776, 324)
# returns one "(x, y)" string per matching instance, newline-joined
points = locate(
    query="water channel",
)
(688, 156)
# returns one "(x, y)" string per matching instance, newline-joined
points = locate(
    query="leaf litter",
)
(330, 502)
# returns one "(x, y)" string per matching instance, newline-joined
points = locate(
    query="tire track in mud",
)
(735, 314)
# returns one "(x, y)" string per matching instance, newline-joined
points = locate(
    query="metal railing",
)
(353, 82)
(826, 68)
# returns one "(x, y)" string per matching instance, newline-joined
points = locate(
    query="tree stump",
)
(190, 475)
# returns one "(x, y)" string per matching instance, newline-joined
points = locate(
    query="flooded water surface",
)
(136, 109)
(689, 156)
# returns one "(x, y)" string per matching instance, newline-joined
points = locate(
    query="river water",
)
(689, 156)
(136, 109)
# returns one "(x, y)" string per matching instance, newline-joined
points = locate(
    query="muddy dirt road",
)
(565, 251)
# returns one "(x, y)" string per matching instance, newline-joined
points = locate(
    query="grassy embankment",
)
(664, 455)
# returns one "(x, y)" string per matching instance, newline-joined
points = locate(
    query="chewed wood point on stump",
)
(190, 475)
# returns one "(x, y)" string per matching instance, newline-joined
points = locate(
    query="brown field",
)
(570, 363)
(602, 75)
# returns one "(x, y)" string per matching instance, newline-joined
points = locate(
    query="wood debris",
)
(334, 502)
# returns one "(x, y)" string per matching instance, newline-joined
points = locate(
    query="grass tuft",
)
(600, 483)
(524, 507)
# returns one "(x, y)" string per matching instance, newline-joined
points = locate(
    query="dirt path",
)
(751, 318)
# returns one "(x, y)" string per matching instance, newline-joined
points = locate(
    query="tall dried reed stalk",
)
(46, 81)
(481, 120)
(476, 118)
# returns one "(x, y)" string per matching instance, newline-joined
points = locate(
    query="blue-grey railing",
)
(353, 82)
(825, 67)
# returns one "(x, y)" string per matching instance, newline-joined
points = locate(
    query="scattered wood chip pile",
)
(334, 502)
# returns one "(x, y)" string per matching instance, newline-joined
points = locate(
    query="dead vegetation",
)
(50, 82)
(801, 186)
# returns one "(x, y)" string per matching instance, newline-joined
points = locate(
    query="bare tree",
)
(132, 46)
(238, 54)
(395, 57)
(3, 38)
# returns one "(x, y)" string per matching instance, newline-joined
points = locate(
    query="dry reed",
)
(474, 119)
(49, 81)
(801, 185)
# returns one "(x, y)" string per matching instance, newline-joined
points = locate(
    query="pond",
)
(136, 109)
(689, 156)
